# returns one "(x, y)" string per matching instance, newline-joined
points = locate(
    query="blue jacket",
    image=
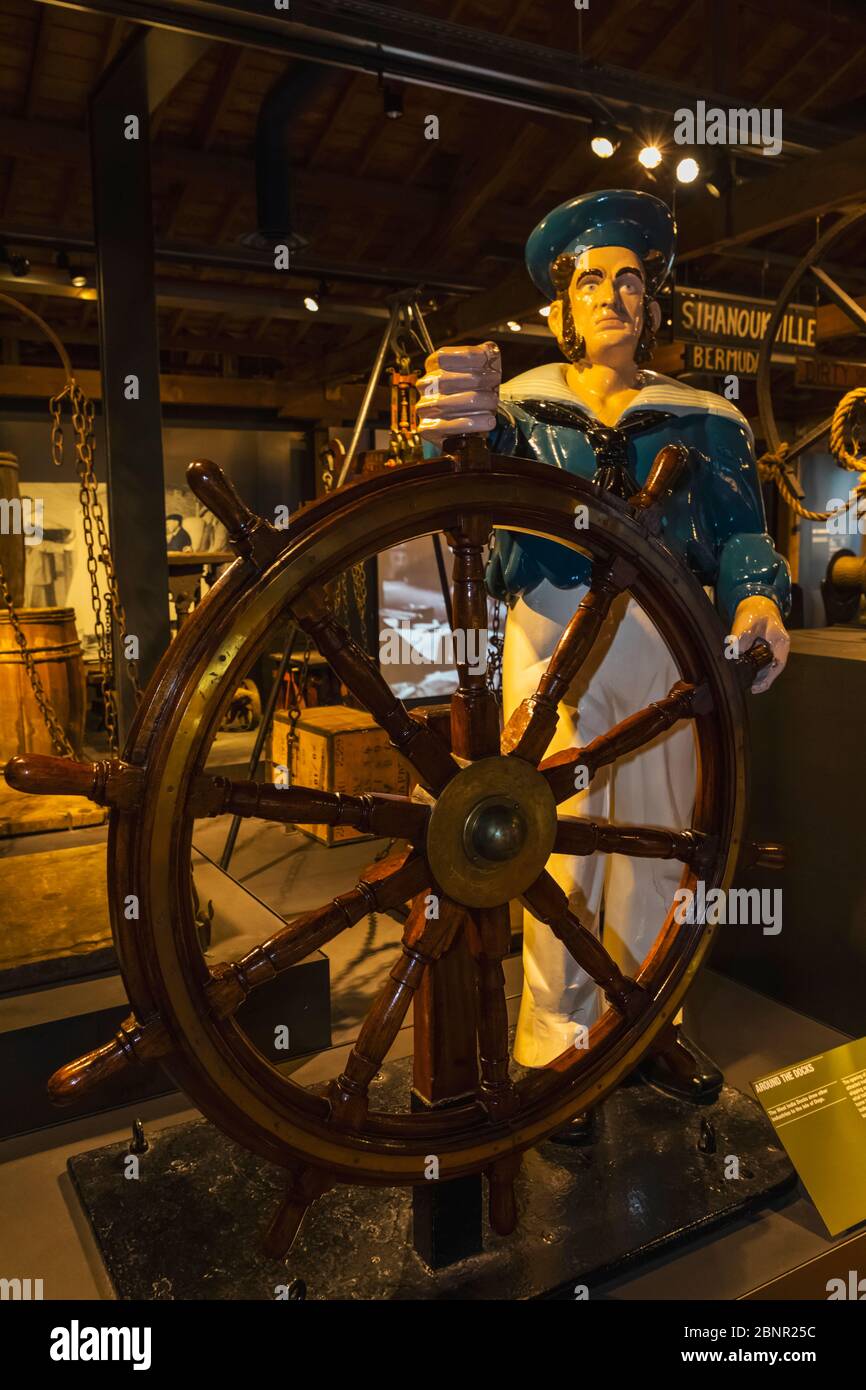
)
(714, 519)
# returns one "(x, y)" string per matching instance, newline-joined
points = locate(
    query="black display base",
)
(190, 1226)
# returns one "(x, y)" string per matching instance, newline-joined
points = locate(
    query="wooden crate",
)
(338, 749)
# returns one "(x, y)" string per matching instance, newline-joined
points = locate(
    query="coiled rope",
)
(772, 466)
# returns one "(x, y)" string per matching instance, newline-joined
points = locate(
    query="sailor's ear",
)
(554, 319)
(655, 315)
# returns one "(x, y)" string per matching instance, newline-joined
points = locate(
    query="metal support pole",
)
(409, 307)
(437, 540)
(267, 717)
(443, 579)
(129, 360)
(368, 395)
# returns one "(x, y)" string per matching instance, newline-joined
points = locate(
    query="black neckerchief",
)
(609, 443)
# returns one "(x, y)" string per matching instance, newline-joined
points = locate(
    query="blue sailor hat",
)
(612, 217)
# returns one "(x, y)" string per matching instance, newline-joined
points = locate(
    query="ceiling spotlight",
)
(515, 326)
(19, 265)
(77, 276)
(720, 180)
(545, 311)
(688, 170)
(392, 101)
(604, 139)
(313, 302)
(650, 156)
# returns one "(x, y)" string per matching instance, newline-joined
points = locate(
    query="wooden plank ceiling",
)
(371, 191)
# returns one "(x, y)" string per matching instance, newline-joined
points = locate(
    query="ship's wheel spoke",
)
(133, 1045)
(474, 707)
(580, 835)
(490, 942)
(547, 901)
(386, 884)
(374, 813)
(807, 441)
(683, 701)
(533, 723)
(840, 297)
(418, 744)
(425, 938)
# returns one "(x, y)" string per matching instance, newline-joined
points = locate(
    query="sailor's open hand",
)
(459, 392)
(756, 618)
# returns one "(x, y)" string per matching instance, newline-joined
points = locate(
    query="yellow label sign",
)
(818, 1109)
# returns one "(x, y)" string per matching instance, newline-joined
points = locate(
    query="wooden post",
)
(448, 1216)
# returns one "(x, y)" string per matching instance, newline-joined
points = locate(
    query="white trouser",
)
(629, 667)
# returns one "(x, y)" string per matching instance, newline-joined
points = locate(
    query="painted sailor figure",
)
(600, 259)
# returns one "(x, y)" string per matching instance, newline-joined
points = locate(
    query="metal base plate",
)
(190, 1226)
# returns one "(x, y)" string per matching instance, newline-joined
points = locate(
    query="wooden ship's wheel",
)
(845, 427)
(479, 835)
(807, 273)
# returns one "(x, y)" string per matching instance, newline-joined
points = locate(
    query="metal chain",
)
(494, 654)
(107, 608)
(359, 584)
(339, 588)
(82, 420)
(60, 742)
(295, 709)
(495, 638)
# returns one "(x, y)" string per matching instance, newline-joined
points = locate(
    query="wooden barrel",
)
(52, 641)
(11, 544)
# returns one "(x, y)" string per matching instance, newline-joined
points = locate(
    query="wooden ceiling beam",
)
(206, 296)
(83, 334)
(598, 31)
(721, 29)
(842, 22)
(114, 34)
(219, 95)
(41, 141)
(834, 74)
(486, 173)
(215, 392)
(833, 322)
(37, 63)
(789, 65)
(805, 188)
(664, 35)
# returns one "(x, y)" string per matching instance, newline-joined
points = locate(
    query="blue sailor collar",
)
(661, 393)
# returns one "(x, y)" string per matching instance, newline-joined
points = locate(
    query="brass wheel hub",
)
(491, 831)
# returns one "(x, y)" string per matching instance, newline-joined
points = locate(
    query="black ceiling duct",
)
(284, 103)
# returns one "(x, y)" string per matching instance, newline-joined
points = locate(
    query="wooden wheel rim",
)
(213, 1061)
(784, 298)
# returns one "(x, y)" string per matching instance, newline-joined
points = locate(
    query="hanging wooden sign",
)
(707, 316)
(829, 374)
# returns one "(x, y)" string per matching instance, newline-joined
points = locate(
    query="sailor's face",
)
(607, 301)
